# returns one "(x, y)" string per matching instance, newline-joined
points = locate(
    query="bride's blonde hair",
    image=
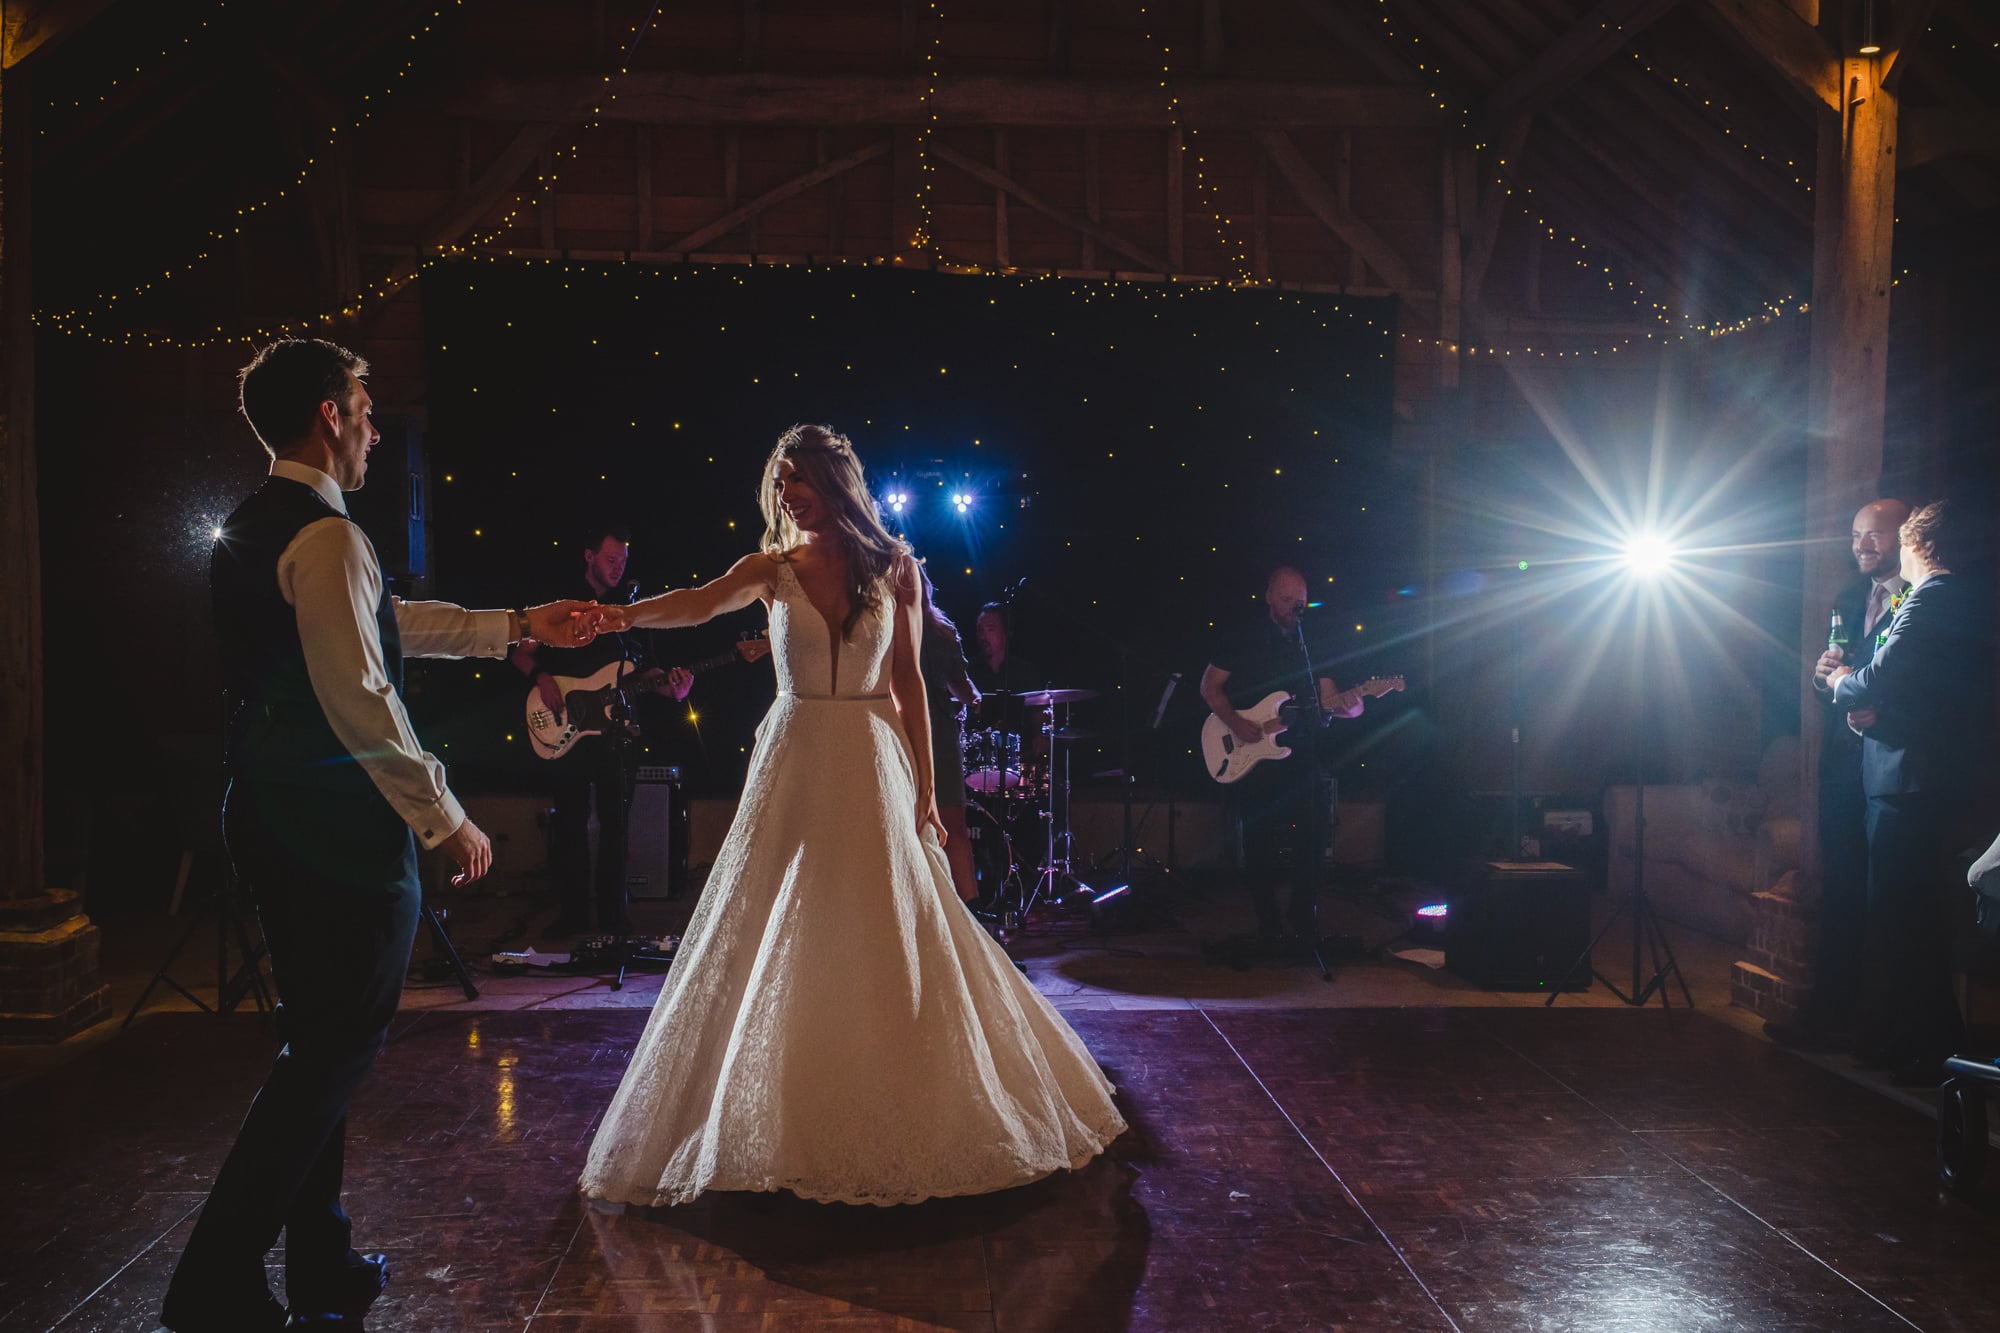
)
(826, 459)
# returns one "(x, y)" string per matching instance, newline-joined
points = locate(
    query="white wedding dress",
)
(836, 1023)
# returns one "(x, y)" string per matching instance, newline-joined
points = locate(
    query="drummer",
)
(1000, 674)
(996, 669)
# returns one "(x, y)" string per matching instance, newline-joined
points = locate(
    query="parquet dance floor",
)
(1287, 1170)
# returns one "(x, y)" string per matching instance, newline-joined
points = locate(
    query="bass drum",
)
(993, 866)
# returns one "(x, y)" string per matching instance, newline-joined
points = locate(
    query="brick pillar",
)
(1776, 980)
(49, 988)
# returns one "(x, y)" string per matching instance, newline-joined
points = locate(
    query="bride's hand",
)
(927, 816)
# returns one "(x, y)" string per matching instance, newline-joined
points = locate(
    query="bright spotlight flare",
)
(898, 501)
(961, 501)
(1648, 555)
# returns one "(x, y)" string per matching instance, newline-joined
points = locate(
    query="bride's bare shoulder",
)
(758, 569)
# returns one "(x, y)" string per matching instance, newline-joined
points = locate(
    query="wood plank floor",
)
(1425, 1168)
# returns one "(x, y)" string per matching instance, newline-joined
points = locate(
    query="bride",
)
(836, 1023)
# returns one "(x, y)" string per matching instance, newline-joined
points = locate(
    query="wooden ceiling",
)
(1514, 169)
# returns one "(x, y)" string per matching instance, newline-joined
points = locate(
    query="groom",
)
(329, 795)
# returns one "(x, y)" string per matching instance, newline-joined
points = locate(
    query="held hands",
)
(567, 624)
(613, 619)
(471, 850)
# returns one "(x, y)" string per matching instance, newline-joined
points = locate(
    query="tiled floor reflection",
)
(1287, 1169)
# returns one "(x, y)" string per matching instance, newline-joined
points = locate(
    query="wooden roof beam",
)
(1787, 44)
(1907, 22)
(1714, 146)
(799, 184)
(1925, 134)
(1661, 215)
(1593, 39)
(1076, 222)
(1575, 209)
(1340, 22)
(674, 98)
(31, 27)
(471, 204)
(1324, 203)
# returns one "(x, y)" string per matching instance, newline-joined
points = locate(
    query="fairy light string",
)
(76, 321)
(121, 80)
(488, 245)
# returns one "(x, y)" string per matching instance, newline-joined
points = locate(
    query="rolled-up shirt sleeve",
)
(330, 576)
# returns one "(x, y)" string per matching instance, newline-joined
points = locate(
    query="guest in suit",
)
(1863, 611)
(329, 795)
(1917, 704)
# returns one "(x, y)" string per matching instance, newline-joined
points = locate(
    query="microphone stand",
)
(1314, 851)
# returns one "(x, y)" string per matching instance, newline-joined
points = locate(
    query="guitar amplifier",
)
(1521, 925)
(656, 864)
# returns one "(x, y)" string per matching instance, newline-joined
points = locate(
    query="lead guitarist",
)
(599, 767)
(1273, 803)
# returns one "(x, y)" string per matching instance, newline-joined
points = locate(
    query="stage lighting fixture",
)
(961, 501)
(1648, 554)
(1871, 45)
(898, 501)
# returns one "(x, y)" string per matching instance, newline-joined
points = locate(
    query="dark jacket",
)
(1926, 683)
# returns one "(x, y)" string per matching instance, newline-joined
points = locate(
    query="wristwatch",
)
(519, 623)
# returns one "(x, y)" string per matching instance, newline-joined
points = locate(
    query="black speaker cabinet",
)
(657, 867)
(1520, 925)
(394, 506)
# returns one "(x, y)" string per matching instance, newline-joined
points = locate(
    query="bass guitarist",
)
(1274, 804)
(602, 764)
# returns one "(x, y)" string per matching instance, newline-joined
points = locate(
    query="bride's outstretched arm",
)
(747, 580)
(906, 687)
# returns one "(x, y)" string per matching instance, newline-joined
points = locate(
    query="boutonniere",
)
(1895, 604)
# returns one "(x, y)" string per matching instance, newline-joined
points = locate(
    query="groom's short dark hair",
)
(281, 389)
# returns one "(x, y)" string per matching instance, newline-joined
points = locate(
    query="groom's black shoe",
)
(342, 1297)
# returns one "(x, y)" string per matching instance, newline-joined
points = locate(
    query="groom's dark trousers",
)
(333, 875)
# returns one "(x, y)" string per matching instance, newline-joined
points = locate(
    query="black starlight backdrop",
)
(1140, 454)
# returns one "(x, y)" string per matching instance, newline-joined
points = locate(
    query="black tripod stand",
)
(231, 984)
(1646, 932)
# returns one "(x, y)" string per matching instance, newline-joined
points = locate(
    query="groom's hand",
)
(470, 850)
(568, 624)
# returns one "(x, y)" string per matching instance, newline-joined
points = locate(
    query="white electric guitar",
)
(590, 703)
(1229, 759)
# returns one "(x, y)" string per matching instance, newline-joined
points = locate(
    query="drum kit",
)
(1017, 783)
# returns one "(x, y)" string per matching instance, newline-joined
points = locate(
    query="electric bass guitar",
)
(595, 703)
(1229, 759)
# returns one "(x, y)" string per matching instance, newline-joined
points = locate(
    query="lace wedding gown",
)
(836, 1023)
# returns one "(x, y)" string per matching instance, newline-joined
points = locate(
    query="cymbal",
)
(1072, 734)
(1043, 698)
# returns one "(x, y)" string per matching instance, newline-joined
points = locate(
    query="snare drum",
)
(992, 761)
